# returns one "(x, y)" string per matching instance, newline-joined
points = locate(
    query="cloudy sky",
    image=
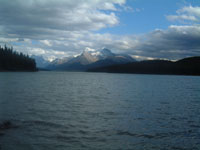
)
(143, 28)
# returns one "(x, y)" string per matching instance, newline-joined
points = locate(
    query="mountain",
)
(40, 61)
(186, 66)
(57, 63)
(90, 59)
(84, 59)
(104, 53)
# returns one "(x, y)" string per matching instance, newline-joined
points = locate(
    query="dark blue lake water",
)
(99, 111)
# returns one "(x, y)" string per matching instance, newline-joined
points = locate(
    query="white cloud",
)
(181, 17)
(46, 42)
(187, 13)
(190, 10)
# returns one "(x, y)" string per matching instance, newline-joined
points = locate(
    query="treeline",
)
(13, 61)
(186, 66)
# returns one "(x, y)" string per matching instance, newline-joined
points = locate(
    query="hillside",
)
(186, 66)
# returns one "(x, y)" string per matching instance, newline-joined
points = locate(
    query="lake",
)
(99, 111)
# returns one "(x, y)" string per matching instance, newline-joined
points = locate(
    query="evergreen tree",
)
(13, 61)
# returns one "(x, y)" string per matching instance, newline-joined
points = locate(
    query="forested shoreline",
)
(186, 66)
(11, 60)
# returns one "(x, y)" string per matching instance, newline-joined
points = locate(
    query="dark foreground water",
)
(61, 111)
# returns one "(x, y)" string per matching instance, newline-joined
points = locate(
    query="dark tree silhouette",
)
(186, 66)
(13, 61)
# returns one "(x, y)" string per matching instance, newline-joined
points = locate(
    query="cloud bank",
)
(174, 43)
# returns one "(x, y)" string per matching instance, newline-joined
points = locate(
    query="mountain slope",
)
(40, 61)
(57, 63)
(85, 58)
(186, 66)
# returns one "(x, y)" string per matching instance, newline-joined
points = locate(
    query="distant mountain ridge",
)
(89, 59)
(186, 66)
(105, 60)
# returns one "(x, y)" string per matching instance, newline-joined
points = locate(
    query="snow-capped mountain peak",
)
(99, 54)
(90, 57)
(106, 53)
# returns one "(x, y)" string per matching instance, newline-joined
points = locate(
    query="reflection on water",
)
(61, 110)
